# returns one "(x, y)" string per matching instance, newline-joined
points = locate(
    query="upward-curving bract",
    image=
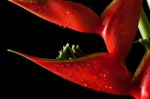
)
(118, 26)
(100, 72)
(65, 13)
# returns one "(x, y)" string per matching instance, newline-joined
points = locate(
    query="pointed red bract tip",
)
(64, 13)
(140, 88)
(145, 86)
(99, 72)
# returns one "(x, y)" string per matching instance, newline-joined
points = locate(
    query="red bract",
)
(117, 25)
(62, 12)
(100, 72)
(141, 85)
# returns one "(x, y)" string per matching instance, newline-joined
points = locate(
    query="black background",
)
(25, 32)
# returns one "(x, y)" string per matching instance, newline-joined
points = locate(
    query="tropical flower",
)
(105, 72)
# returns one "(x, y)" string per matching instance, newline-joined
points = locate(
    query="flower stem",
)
(148, 2)
(144, 28)
(144, 25)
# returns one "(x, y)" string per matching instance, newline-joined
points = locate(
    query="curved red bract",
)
(141, 87)
(118, 26)
(64, 13)
(100, 72)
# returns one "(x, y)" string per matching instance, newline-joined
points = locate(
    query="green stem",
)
(144, 25)
(144, 28)
(148, 2)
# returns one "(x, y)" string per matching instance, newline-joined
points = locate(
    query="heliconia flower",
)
(117, 25)
(141, 86)
(103, 72)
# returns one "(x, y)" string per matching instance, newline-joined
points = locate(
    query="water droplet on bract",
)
(62, 27)
(68, 12)
(81, 80)
(85, 85)
(110, 87)
(104, 75)
(106, 86)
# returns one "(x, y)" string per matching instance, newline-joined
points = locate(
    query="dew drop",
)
(62, 26)
(68, 13)
(110, 87)
(104, 75)
(85, 85)
(81, 80)
(106, 86)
